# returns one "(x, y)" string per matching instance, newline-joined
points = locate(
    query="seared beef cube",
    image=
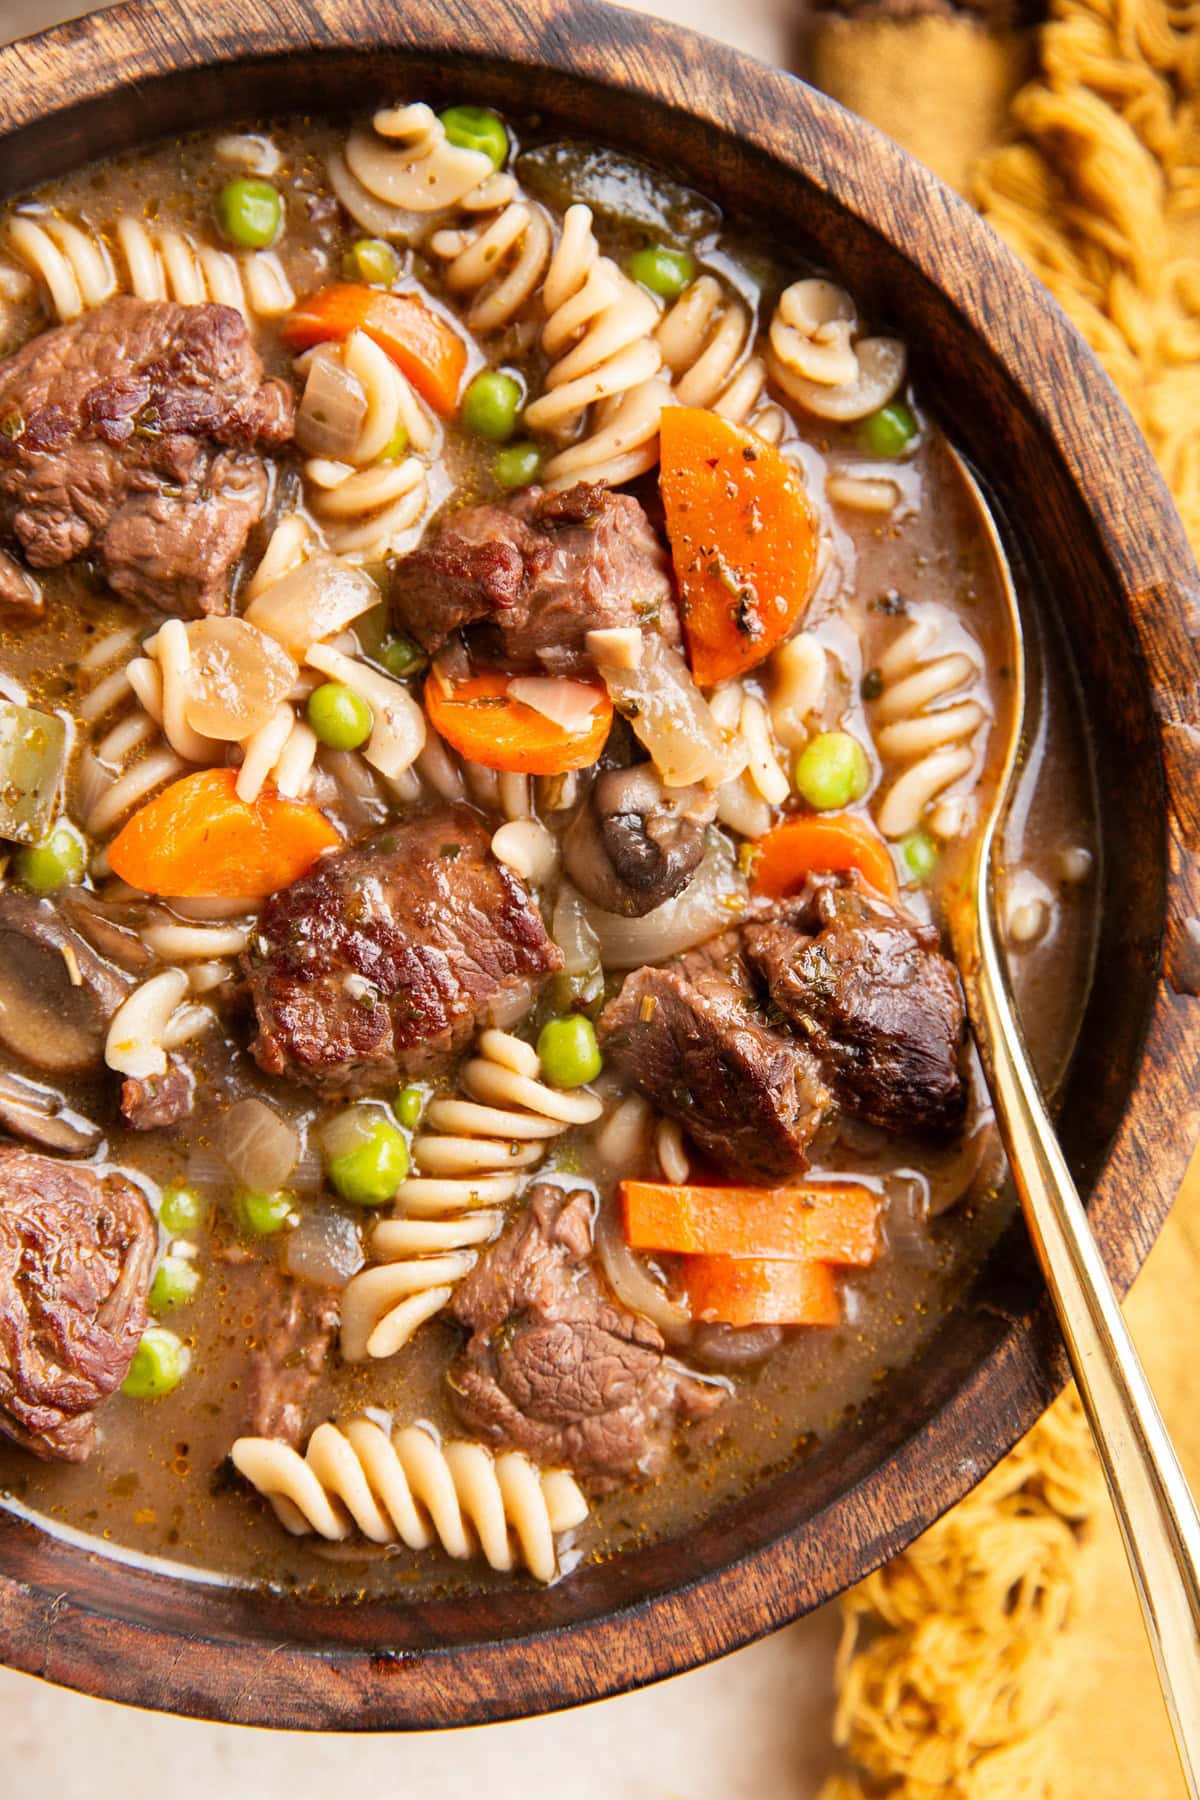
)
(869, 991)
(159, 1101)
(691, 1040)
(536, 574)
(555, 1366)
(76, 1252)
(128, 437)
(384, 960)
(296, 1324)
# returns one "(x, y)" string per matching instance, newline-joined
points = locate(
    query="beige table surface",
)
(753, 1727)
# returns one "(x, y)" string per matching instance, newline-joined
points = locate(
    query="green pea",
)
(249, 213)
(159, 1365)
(665, 272)
(57, 862)
(477, 128)
(181, 1210)
(372, 261)
(396, 445)
(175, 1283)
(516, 465)
(369, 1174)
(401, 655)
(569, 1052)
(832, 771)
(264, 1214)
(891, 431)
(410, 1104)
(339, 717)
(491, 405)
(919, 854)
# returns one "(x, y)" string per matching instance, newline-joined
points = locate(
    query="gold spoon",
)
(1158, 1517)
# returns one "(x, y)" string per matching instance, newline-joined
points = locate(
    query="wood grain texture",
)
(1023, 397)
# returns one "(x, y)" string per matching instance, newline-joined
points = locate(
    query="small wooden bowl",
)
(1024, 398)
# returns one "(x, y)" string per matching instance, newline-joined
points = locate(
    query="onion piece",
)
(331, 414)
(632, 1282)
(670, 715)
(260, 1148)
(714, 899)
(325, 1248)
(236, 677)
(573, 934)
(312, 602)
(567, 704)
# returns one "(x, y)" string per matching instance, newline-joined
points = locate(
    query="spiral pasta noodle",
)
(408, 1488)
(370, 505)
(79, 270)
(131, 761)
(926, 720)
(499, 261)
(472, 1156)
(704, 338)
(818, 360)
(605, 366)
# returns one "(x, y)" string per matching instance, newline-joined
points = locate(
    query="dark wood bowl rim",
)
(48, 1626)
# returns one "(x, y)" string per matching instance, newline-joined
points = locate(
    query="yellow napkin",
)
(1096, 183)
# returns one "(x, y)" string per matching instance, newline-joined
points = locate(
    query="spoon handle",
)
(1154, 1506)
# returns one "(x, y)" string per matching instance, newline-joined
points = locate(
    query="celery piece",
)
(33, 749)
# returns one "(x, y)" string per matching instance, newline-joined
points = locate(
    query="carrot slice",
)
(481, 720)
(423, 345)
(198, 839)
(754, 1291)
(833, 1221)
(835, 842)
(743, 540)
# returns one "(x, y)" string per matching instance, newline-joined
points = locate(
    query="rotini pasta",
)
(80, 268)
(498, 261)
(927, 720)
(472, 1156)
(153, 1021)
(604, 376)
(408, 1488)
(816, 359)
(704, 339)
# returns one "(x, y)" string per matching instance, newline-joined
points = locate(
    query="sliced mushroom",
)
(727, 1348)
(634, 843)
(407, 161)
(38, 1116)
(56, 994)
(110, 927)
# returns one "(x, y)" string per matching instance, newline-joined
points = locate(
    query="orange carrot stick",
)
(835, 842)
(423, 345)
(740, 1291)
(743, 540)
(482, 721)
(834, 1222)
(198, 839)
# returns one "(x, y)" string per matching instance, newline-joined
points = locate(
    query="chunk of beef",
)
(20, 595)
(872, 996)
(129, 437)
(535, 575)
(554, 1365)
(635, 844)
(693, 1041)
(76, 1252)
(159, 1100)
(295, 1328)
(384, 960)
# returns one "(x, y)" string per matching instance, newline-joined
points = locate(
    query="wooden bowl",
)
(1022, 395)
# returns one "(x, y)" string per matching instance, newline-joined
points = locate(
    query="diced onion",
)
(568, 704)
(330, 417)
(312, 602)
(236, 677)
(573, 934)
(670, 715)
(260, 1148)
(325, 1248)
(714, 899)
(632, 1282)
